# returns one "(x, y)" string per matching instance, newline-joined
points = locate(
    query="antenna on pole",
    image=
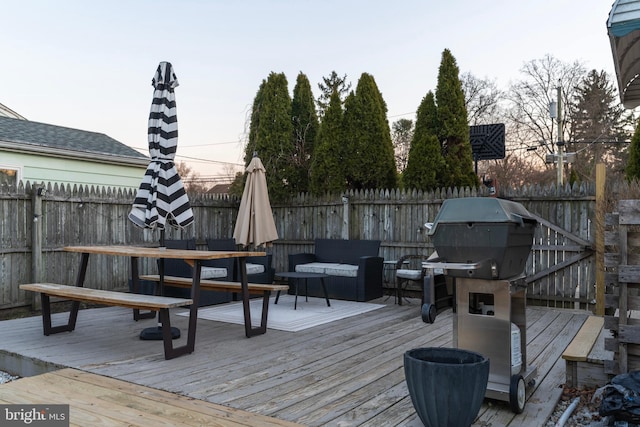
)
(560, 142)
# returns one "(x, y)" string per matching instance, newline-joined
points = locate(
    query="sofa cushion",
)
(409, 274)
(255, 268)
(344, 270)
(315, 267)
(213, 272)
(332, 269)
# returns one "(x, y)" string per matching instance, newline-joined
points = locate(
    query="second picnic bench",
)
(79, 294)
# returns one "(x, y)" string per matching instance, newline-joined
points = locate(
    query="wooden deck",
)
(97, 400)
(344, 373)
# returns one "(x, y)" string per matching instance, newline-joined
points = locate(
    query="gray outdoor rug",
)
(282, 316)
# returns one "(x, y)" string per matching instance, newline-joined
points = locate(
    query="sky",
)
(88, 65)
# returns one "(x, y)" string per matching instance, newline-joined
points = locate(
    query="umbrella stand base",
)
(155, 333)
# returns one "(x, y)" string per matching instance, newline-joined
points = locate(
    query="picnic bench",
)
(121, 299)
(219, 285)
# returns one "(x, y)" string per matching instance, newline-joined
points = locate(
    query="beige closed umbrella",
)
(255, 225)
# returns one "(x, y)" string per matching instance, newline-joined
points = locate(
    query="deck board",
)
(348, 372)
(97, 400)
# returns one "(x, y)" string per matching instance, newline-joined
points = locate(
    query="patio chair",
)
(413, 279)
(259, 269)
(409, 277)
(215, 269)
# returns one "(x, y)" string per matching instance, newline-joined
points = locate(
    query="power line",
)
(210, 161)
(216, 143)
(178, 156)
(400, 115)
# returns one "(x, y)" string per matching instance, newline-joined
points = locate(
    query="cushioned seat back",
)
(177, 267)
(345, 251)
(222, 244)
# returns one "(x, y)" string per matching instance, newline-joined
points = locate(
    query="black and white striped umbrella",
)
(161, 198)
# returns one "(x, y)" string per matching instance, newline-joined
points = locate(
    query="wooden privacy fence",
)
(622, 291)
(40, 220)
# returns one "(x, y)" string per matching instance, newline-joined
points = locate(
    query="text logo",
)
(34, 415)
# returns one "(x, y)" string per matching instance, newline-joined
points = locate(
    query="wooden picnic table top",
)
(156, 252)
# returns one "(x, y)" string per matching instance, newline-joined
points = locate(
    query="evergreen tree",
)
(370, 150)
(430, 115)
(270, 135)
(351, 134)
(328, 86)
(425, 164)
(327, 169)
(600, 125)
(632, 171)
(254, 124)
(305, 127)
(453, 126)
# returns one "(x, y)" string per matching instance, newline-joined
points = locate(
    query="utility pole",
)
(560, 142)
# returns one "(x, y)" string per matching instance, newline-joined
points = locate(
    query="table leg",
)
(244, 282)
(324, 289)
(169, 351)
(193, 310)
(75, 305)
(73, 316)
(135, 284)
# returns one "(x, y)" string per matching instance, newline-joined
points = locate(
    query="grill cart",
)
(483, 244)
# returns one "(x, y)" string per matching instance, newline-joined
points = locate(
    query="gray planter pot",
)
(446, 385)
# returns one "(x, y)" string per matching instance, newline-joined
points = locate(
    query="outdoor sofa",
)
(353, 266)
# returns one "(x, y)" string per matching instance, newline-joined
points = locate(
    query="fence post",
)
(600, 213)
(345, 217)
(36, 242)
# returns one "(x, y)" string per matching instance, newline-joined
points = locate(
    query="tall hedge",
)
(327, 164)
(453, 127)
(425, 166)
(305, 128)
(270, 135)
(370, 157)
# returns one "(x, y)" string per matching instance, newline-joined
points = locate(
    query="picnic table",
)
(144, 302)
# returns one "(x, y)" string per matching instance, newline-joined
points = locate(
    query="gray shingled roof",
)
(25, 132)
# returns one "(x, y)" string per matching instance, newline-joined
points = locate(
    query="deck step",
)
(582, 369)
(580, 347)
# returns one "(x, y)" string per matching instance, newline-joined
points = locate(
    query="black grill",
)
(489, 238)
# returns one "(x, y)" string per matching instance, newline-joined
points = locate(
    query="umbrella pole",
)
(155, 333)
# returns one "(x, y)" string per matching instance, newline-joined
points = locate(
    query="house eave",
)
(70, 154)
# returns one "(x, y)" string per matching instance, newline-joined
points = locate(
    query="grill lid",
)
(483, 237)
(481, 209)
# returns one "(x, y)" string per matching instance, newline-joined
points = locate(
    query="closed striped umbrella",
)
(161, 198)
